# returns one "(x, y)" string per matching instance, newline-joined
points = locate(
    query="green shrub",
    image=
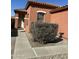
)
(44, 32)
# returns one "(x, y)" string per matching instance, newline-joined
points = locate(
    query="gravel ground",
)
(37, 44)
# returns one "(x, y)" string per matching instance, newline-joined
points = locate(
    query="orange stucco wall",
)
(61, 18)
(34, 13)
(28, 20)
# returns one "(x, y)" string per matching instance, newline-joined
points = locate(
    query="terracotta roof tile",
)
(59, 9)
(40, 4)
(20, 10)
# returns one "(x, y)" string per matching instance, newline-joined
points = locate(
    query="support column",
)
(25, 21)
(16, 21)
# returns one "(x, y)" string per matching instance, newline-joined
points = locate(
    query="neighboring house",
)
(35, 11)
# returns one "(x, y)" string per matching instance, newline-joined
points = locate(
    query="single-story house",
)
(44, 12)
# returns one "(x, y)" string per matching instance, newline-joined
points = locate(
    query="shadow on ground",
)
(56, 40)
(52, 43)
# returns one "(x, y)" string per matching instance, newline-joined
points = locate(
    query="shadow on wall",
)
(14, 32)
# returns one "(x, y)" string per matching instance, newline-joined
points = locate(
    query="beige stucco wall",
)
(61, 18)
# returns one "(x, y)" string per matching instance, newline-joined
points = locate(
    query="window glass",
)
(40, 16)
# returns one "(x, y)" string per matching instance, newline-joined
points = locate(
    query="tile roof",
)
(59, 9)
(45, 5)
(20, 10)
(40, 4)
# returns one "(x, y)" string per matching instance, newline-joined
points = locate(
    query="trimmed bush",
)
(44, 32)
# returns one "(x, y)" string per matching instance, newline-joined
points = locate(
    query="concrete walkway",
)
(23, 50)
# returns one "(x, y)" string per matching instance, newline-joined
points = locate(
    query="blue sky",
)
(15, 4)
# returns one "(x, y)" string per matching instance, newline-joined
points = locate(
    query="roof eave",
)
(45, 4)
(20, 10)
(59, 10)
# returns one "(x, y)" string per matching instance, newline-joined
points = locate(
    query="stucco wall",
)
(34, 13)
(61, 18)
(28, 20)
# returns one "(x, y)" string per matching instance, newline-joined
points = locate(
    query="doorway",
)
(21, 21)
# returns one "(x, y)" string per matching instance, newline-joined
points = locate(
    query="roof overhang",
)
(23, 11)
(59, 9)
(40, 4)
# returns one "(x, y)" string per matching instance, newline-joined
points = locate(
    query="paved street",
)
(24, 50)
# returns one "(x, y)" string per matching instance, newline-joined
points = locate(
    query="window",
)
(40, 16)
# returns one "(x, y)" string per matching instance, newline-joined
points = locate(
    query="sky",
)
(15, 4)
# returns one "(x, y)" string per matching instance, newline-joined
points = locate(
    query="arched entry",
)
(21, 21)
